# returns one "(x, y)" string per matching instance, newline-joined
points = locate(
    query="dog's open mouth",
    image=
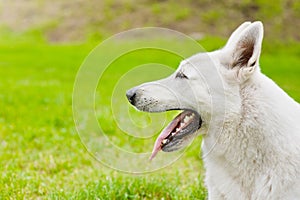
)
(172, 137)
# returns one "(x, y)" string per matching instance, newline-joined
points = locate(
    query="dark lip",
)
(190, 129)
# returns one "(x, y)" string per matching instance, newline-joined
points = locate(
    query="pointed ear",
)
(235, 35)
(246, 50)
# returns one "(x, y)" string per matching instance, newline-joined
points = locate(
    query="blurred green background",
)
(78, 20)
(42, 45)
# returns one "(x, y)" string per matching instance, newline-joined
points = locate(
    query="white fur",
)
(251, 127)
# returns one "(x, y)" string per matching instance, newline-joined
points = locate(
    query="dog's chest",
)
(237, 152)
(234, 165)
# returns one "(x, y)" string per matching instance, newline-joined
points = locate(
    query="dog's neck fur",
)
(251, 129)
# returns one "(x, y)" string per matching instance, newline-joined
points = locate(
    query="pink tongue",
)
(164, 134)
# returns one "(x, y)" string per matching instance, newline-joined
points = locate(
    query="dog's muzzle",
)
(179, 131)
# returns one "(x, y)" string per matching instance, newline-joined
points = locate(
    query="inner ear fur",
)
(244, 52)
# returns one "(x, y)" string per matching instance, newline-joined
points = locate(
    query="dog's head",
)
(202, 86)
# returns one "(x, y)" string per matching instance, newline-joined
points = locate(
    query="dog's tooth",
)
(186, 119)
(165, 141)
(177, 129)
(189, 118)
(174, 133)
(182, 124)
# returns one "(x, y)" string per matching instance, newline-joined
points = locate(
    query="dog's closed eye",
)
(181, 75)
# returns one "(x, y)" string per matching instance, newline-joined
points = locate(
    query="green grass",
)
(41, 155)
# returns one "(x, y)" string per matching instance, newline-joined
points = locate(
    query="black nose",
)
(131, 96)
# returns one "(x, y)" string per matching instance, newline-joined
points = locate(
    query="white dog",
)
(250, 127)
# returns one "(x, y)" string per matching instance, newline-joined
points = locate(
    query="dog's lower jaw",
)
(179, 132)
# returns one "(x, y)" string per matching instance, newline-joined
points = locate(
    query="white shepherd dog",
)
(250, 126)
